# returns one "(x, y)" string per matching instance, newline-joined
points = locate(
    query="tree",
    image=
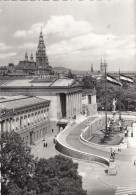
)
(127, 96)
(88, 82)
(16, 164)
(58, 176)
(24, 175)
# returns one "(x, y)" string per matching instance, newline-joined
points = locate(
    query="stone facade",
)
(65, 95)
(89, 103)
(31, 121)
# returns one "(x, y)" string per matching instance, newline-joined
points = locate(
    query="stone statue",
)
(114, 104)
(112, 155)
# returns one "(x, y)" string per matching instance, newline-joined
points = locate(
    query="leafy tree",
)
(24, 175)
(58, 176)
(88, 82)
(127, 94)
(16, 163)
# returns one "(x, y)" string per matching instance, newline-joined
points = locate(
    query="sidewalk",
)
(40, 151)
(126, 175)
(126, 171)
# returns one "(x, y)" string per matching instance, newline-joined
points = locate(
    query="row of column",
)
(73, 104)
(24, 120)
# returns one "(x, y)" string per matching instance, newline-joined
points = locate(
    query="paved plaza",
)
(95, 180)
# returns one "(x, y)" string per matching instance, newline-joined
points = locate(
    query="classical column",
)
(72, 105)
(67, 114)
(12, 125)
(6, 125)
(35, 117)
(69, 105)
(76, 104)
(19, 123)
(80, 102)
(16, 121)
(0, 126)
(4, 128)
(58, 106)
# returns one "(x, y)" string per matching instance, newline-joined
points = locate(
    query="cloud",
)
(4, 47)
(29, 45)
(32, 32)
(91, 46)
(62, 26)
(67, 26)
(75, 41)
(7, 55)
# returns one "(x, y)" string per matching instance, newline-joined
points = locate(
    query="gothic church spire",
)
(41, 57)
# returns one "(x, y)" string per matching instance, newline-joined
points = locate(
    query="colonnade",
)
(73, 104)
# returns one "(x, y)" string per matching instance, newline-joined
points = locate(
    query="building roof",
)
(61, 82)
(20, 101)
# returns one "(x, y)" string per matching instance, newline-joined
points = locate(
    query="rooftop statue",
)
(114, 104)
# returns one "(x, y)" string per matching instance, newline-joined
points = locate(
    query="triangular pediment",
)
(75, 83)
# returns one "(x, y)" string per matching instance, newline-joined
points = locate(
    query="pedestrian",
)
(46, 145)
(54, 140)
(52, 130)
(43, 142)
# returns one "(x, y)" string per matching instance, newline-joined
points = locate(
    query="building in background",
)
(103, 66)
(28, 66)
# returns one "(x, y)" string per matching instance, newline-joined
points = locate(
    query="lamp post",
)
(132, 129)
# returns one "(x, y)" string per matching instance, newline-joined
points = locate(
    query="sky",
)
(76, 33)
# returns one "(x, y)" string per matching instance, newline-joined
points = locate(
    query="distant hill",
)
(62, 69)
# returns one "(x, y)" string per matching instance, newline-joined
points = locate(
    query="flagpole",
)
(105, 99)
(119, 98)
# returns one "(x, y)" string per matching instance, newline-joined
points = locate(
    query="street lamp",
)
(132, 129)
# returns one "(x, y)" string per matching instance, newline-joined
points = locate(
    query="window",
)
(89, 99)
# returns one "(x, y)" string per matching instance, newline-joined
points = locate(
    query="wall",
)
(40, 131)
(53, 106)
(97, 124)
(93, 99)
(80, 155)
